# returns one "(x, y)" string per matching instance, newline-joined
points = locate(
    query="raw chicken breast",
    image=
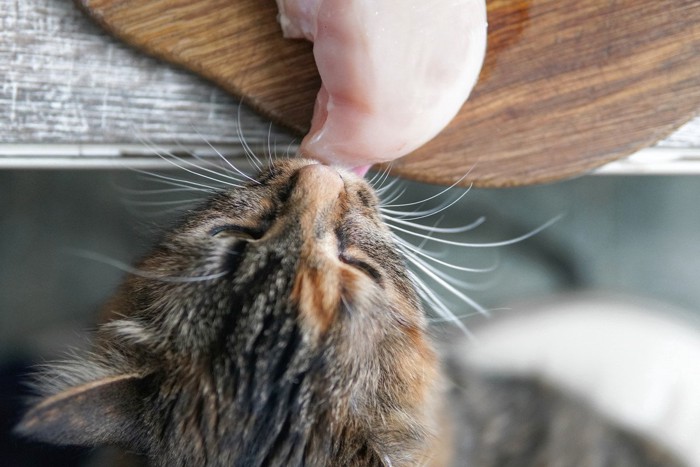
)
(394, 72)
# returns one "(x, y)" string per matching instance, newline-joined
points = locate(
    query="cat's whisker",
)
(396, 194)
(227, 165)
(427, 270)
(450, 279)
(225, 172)
(435, 303)
(443, 275)
(374, 177)
(269, 146)
(171, 158)
(408, 215)
(382, 181)
(145, 274)
(404, 245)
(421, 245)
(437, 195)
(465, 316)
(150, 145)
(155, 192)
(456, 282)
(158, 212)
(162, 203)
(460, 317)
(145, 195)
(180, 182)
(378, 179)
(152, 179)
(448, 230)
(289, 148)
(415, 214)
(388, 186)
(485, 244)
(246, 148)
(432, 212)
(225, 159)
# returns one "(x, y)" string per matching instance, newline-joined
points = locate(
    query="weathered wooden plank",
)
(64, 81)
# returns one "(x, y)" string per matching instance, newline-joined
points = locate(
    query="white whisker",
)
(175, 181)
(421, 245)
(131, 191)
(486, 244)
(378, 178)
(435, 195)
(404, 245)
(289, 148)
(236, 169)
(269, 145)
(175, 164)
(374, 177)
(450, 230)
(162, 203)
(383, 189)
(456, 318)
(156, 213)
(380, 184)
(426, 269)
(432, 212)
(226, 172)
(396, 194)
(456, 282)
(436, 304)
(421, 214)
(249, 152)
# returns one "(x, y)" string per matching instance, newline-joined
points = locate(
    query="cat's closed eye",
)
(238, 231)
(363, 266)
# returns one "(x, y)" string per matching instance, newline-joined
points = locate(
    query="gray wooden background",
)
(71, 96)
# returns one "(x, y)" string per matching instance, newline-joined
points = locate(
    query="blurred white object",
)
(636, 362)
(394, 72)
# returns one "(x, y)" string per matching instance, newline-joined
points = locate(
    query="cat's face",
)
(275, 324)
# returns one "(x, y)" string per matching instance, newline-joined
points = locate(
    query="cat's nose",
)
(314, 201)
(319, 180)
(317, 187)
(315, 207)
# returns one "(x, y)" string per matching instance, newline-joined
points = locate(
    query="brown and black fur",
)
(276, 325)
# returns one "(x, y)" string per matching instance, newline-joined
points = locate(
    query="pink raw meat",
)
(394, 72)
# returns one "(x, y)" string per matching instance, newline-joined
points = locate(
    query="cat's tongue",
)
(394, 72)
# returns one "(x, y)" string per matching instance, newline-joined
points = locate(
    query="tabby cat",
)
(277, 325)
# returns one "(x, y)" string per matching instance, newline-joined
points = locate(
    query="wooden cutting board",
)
(566, 86)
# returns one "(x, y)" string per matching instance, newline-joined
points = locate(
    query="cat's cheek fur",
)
(316, 294)
(396, 387)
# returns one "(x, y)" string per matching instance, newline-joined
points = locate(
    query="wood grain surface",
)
(565, 87)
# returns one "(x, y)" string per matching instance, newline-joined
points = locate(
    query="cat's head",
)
(276, 324)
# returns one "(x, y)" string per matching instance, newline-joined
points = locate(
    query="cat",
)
(277, 325)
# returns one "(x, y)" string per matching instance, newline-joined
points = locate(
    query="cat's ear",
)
(105, 411)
